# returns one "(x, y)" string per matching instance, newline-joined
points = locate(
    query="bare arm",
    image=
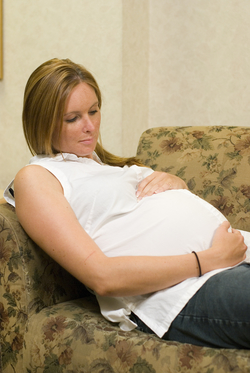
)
(49, 220)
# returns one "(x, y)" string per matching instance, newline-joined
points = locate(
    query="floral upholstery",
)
(50, 323)
(214, 162)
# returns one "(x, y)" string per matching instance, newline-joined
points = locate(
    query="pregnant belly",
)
(171, 223)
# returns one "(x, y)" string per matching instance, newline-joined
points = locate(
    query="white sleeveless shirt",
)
(175, 222)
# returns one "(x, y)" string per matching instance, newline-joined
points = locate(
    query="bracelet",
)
(199, 265)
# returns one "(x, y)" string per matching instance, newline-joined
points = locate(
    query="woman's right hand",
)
(228, 249)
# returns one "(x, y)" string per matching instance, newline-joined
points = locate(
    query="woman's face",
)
(81, 123)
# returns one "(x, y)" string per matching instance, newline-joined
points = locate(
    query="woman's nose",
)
(88, 125)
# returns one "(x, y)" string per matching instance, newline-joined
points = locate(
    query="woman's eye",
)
(92, 112)
(71, 120)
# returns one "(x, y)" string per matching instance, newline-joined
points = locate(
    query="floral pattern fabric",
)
(49, 323)
(213, 161)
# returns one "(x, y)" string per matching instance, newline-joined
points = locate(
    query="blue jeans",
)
(218, 315)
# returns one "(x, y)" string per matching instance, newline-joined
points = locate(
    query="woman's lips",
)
(87, 141)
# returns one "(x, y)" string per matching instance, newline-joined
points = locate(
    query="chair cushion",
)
(74, 337)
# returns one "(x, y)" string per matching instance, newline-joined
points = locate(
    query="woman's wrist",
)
(209, 260)
(198, 263)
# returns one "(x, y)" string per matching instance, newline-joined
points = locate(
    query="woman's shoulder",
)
(31, 171)
(35, 176)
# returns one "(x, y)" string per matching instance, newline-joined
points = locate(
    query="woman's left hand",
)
(159, 182)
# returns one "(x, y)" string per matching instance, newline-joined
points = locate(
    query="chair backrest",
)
(213, 161)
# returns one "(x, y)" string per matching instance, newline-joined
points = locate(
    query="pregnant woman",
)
(156, 256)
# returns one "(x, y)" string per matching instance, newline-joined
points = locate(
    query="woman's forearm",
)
(128, 276)
(139, 275)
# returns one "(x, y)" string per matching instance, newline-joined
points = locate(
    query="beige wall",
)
(88, 32)
(134, 73)
(158, 62)
(199, 62)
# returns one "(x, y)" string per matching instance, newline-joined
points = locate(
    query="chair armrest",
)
(29, 278)
(29, 281)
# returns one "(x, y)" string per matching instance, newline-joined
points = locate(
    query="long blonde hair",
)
(45, 96)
